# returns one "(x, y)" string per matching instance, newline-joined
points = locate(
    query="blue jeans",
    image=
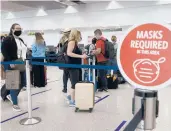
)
(112, 62)
(102, 76)
(14, 93)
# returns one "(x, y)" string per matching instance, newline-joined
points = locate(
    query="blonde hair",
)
(64, 38)
(75, 35)
(39, 38)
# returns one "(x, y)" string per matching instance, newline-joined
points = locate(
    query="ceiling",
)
(20, 5)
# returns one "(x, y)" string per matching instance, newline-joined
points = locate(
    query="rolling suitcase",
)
(85, 93)
(84, 96)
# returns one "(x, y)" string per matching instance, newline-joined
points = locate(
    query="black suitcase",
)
(112, 82)
(4, 92)
(121, 79)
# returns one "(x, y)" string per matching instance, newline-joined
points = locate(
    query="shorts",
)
(74, 75)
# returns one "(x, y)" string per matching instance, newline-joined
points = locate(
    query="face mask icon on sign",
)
(146, 70)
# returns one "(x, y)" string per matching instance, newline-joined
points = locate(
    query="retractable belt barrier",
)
(115, 67)
(34, 120)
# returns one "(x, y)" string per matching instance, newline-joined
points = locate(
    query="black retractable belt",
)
(136, 119)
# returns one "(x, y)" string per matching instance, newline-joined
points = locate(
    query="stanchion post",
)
(94, 71)
(30, 120)
(145, 110)
(83, 70)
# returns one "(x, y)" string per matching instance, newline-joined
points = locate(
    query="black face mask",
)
(17, 32)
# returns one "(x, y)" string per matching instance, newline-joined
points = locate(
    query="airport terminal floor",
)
(50, 105)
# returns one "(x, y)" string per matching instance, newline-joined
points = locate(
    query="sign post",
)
(144, 59)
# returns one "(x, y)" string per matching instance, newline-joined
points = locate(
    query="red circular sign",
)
(144, 56)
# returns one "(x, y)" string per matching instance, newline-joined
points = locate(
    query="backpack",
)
(64, 48)
(61, 56)
(109, 50)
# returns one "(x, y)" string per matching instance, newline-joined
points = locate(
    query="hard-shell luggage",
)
(4, 92)
(84, 96)
(85, 91)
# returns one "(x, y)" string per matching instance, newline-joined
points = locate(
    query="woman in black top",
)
(13, 48)
(74, 56)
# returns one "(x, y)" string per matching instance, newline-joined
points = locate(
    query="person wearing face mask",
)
(13, 48)
(74, 57)
(101, 59)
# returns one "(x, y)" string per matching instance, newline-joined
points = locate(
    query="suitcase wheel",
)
(90, 110)
(76, 109)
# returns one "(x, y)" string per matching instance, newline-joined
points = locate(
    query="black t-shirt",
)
(73, 60)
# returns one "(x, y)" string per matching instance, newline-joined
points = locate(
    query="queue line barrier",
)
(30, 120)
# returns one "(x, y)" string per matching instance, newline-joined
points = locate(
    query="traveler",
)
(74, 56)
(12, 49)
(38, 71)
(101, 59)
(114, 40)
(113, 49)
(88, 48)
(63, 45)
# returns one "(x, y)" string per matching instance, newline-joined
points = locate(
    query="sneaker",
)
(68, 98)
(100, 90)
(71, 104)
(64, 90)
(24, 89)
(9, 98)
(16, 108)
(106, 90)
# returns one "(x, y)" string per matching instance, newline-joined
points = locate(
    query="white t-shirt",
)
(22, 49)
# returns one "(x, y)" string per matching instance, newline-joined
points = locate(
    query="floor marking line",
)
(18, 115)
(120, 126)
(52, 81)
(101, 99)
(40, 92)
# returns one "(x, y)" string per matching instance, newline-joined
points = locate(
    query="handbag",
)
(20, 67)
(12, 79)
(62, 58)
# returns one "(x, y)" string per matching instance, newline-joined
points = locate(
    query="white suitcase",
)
(84, 96)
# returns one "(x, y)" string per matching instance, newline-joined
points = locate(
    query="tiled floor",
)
(57, 116)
